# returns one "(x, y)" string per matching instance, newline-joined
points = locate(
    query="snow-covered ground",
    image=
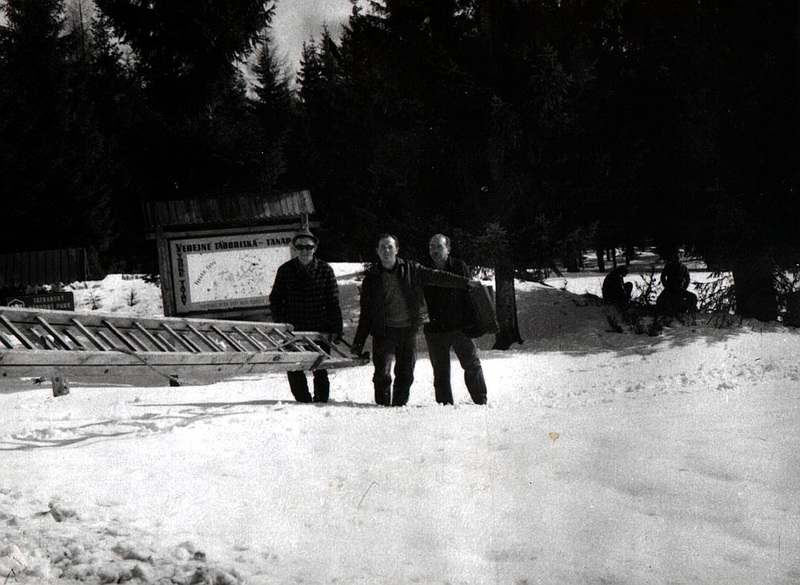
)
(601, 458)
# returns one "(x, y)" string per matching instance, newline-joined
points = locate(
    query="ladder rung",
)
(51, 330)
(102, 335)
(120, 335)
(178, 338)
(43, 339)
(88, 334)
(205, 338)
(16, 332)
(254, 342)
(5, 340)
(152, 338)
(288, 341)
(269, 340)
(74, 338)
(237, 346)
(142, 345)
(165, 341)
(191, 343)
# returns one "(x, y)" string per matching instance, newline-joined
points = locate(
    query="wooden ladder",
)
(61, 344)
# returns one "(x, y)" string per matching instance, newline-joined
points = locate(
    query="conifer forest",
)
(531, 131)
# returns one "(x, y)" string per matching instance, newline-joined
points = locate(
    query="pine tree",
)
(750, 93)
(198, 136)
(50, 149)
(275, 111)
(329, 147)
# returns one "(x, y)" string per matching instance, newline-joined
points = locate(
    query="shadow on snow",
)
(556, 320)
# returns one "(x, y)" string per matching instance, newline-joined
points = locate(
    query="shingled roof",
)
(243, 209)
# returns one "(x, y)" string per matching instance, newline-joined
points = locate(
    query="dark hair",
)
(384, 236)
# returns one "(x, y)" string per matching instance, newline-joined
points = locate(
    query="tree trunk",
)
(506, 302)
(792, 316)
(572, 256)
(630, 254)
(601, 263)
(754, 286)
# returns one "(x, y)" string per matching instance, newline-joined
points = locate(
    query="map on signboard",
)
(234, 274)
(228, 271)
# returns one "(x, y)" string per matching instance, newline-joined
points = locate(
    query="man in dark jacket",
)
(450, 311)
(305, 294)
(392, 310)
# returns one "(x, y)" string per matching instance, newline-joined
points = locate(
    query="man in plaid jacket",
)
(305, 294)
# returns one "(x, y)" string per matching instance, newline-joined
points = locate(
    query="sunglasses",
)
(304, 246)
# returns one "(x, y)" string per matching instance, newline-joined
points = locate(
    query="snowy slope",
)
(601, 458)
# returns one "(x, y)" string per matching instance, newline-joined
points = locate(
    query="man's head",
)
(388, 247)
(439, 249)
(304, 244)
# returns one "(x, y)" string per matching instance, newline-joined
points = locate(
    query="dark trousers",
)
(674, 302)
(398, 345)
(439, 344)
(299, 386)
(298, 383)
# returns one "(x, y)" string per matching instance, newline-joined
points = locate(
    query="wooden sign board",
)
(61, 301)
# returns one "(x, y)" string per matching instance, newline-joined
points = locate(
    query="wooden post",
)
(167, 298)
(60, 386)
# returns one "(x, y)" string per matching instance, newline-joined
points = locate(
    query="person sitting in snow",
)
(615, 289)
(675, 299)
(306, 295)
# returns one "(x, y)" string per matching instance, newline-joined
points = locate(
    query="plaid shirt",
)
(307, 297)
